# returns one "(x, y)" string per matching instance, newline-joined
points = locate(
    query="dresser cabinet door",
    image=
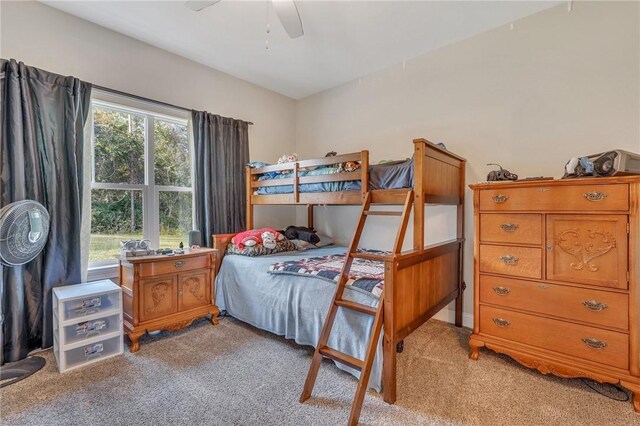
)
(587, 249)
(194, 290)
(159, 297)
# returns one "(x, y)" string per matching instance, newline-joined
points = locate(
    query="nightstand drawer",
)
(594, 344)
(171, 266)
(511, 260)
(511, 228)
(557, 198)
(602, 308)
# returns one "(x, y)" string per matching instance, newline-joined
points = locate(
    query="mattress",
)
(393, 175)
(295, 307)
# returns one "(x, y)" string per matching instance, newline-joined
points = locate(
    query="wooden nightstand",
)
(167, 292)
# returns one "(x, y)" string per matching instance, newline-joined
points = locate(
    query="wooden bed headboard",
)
(439, 178)
(220, 242)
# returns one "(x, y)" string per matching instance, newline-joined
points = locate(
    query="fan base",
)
(15, 371)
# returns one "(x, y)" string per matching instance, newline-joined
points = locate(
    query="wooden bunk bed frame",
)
(419, 282)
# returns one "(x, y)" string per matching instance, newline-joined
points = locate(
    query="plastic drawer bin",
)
(88, 329)
(92, 352)
(78, 308)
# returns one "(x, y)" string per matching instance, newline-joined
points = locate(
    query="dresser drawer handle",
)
(501, 291)
(500, 198)
(179, 264)
(595, 195)
(501, 322)
(509, 227)
(594, 305)
(594, 343)
(509, 260)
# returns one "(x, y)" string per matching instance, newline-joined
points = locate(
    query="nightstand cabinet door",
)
(194, 290)
(160, 297)
(588, 249)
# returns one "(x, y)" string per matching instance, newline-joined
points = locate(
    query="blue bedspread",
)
(295, 307)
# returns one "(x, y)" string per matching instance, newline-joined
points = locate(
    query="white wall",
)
(558, 85)
(55, 41)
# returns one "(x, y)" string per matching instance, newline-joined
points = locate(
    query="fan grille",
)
(16, 248)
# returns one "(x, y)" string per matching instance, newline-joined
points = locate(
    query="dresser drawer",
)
(592, 306)
(171, 266)
(511, 228)
(557, 198)
(594, 344)
(510, 260)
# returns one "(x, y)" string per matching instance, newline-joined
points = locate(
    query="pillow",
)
(303, 245)
(324, 240)
(260, 250)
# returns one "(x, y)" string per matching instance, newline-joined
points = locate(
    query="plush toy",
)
(256, 236)
(350, 166)
(287, 158)
(301, 233)
(269, 240)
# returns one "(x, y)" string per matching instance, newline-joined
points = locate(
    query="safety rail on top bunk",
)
(307, 198)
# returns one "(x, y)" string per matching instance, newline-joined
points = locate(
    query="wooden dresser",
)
(556, 276)
(167, 292)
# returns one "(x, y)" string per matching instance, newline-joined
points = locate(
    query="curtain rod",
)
(142, 98)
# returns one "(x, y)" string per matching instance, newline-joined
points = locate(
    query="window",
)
(141, 183)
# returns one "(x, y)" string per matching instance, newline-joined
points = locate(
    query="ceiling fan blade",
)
(197, 6)
(289, 17)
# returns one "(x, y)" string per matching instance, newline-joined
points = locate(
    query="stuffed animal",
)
(350, 166)
(269, 240)
(287, 158)
(256, 236)
(301, 233)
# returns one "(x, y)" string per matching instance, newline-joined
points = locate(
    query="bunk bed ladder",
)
(322, 350)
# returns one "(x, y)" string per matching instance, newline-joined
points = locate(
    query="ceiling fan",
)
(285, 9)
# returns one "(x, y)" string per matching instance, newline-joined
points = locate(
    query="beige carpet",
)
(235, 374)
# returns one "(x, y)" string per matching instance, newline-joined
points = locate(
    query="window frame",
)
(149, 189)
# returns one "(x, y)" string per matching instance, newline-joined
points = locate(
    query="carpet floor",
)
(234, 374)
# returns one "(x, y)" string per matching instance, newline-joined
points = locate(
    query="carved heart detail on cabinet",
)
(585, 249)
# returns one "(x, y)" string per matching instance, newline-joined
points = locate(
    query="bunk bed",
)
(417, 283)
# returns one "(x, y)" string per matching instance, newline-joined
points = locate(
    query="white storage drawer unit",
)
(87, 323)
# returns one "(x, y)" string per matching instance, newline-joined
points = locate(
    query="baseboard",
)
(449, 315)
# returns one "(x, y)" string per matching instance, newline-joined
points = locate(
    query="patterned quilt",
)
(365, 275)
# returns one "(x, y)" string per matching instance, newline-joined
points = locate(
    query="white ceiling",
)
(343, 40)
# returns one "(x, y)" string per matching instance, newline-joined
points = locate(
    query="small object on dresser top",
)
(500, 175)
(538, 178)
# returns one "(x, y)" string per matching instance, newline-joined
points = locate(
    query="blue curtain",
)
(43, 116)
